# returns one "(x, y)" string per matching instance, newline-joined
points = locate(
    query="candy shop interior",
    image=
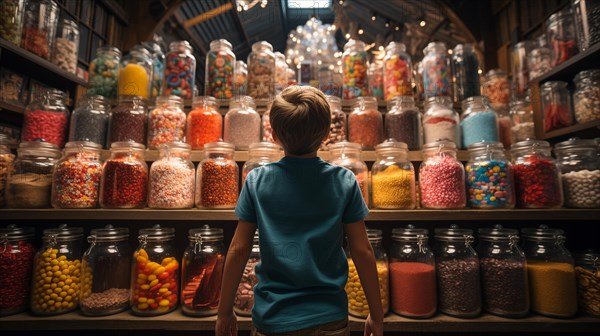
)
(127, 129)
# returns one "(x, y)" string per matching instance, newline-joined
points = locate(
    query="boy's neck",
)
(303, 156)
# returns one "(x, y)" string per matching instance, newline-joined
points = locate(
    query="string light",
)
(422, 23)
(374, 17)
(361, 31)
(397, 28)
(387, 23)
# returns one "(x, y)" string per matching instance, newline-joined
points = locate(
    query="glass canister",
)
(166, 122)
(357, 301)
(135, 74)
(539, 60)
(56, 286)
(244, 297)
(46, 118)
(261, 71)
(265, 122)
(587, 26)
(158, 66)
(587, 269)
(556, 105)
(202, 271)
(496, 88)
(217, 177)
(104, 72)
(242, 123)
(260, 154)
(128, 121)
(155, 273)
(403, 122)
(465, 68)
(66, 46)
(440, 120)
(521, 120)
(280, 72)
(204, 123)
(124, 177)
(6, 160)
(365, 123)
(354, 70)
(457, 269)
(219, 73)
(329, 78)
(39, 27)
(562, 36)
(479, 122)
(89, 121)
(397, 71)
(412, 273)
(17, 252)
(30, 179)
(11, 20)
(437, 75)
(580, 172)
(393, 177)
(337, 129)
(441, 177)
(106, 271)
(520, 72)
(586, 97)
(241, 79)
(76, 176)
(504, 126)
(375, 79)
(551, 272)
(348, 155)
(171, 180)
(180, 70)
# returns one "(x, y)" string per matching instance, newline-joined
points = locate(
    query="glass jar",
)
(440, 121)
(329, 78)
(479, 122)
(337, 129)
(504, 126)
(202, 271)
(490, 177)
(39, 27)
(16, 262)
(556, 105)
(403, 122)
(586, 22)
(124, 177)
(437, 75)
(587, 269)
(354, 70)
(496, 88)
(280, 72)
(171, 180)
(586, 97)
(217, 177)
(520, 72)
(66, 46)
(357, 301)
(457, 266)
(204, 123)
(166, 122)
(155, 273)
(11, 20)
(30, 179)
(365, 123)
(441, 177)
(55, 288)
(375, 79)
(106, 271)
(348, 155)
(261, 71)
(242, 123)
(76, 176)
(551, 272)
(503, 272)
(89, 121)
(537, 177)
(397, 71)
(135, 74)
(412, 273)
(521, 120)
(241, 79)
(580, 172)
(465, 68)
(128, 121)
(46, 118)
(539, 61)
(393, 177)
(180, 70)
(158, 66)
(219, 73)
(6, 165)
(419, 85)
(104, 72)
(244, 296)
(267, 130)
(562, 36)
(260, 154)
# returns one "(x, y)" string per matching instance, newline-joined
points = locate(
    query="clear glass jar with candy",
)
(354, 70)
(587, 269)
(135, 74)
(551, 272)
(171, 179)
(89, 120)
(58, 262)
(280, 72)
(348, 155)
(260, 154)
(39, 27)
(586, 97)
(397, 71)
(437, 74)
(375, 79)
(240, 79)
(337, 129)
(504, 126)
(124, 179)
(46, 118)
(440, 120)
(465, 68)
(261, 71)
(6, 160)
(556, 105)
(412, 273)
(17, 251)
(497, 88)
(128, 121)
(202, 271)
(30, 177)
(357, 301)
(393, 177)
(479, 121)
(490, 177)
(365, 123)
(441, 177)
(104, 72)
(180, 70)
(586, 23)
(418, 76)
(106, 272)
(242, 123)
(220, 67)
(580, 172)
(330, 80)
(76, 176)
(155, 273)
(457, 269)
(562, 36)
(244, 297)
(520, 72)
(265, 122)
(158, 66)
(11, 20)
(217, 177)
(204, 123)
(521, 121)
(166, 122)
(539, 60)
(66, 46)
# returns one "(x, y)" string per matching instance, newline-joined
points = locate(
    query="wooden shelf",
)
(590, 126)
(567, 70)
(12, 107)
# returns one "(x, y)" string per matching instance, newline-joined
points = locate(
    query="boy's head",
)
(300, 118)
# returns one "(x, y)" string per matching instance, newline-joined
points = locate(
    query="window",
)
(309, 3)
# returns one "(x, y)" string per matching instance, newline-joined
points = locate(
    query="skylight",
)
(309, 3)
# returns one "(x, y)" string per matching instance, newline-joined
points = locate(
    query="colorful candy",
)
(171, 183)
(437, 80)
(155, 285)
(220, 62)
(490, 184)
(261, 71)
(104, 71)
(11, 20)
(76, 180)
(180, 70)
(354, 70)
(397, 72)
(128, 121)
(166, 122)
(497, 88)
(556, 116)
(375, 76)
(365, 123)
(442, 183)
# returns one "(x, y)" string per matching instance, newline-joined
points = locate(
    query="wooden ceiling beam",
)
(208, 15)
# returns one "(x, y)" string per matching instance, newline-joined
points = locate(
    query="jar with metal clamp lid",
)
(244, 297)
(587, 269)
(16, 263)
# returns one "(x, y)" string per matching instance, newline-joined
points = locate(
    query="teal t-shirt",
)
(300, 206)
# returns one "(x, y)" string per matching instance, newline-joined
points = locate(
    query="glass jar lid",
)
(495, 73)
(345, 145)
(410, 234)
(576, 143)
(391, 145)
(395, 45)
(459, 48)
(214, 44)
(593, 74)
(176, 146)
(589, 258)
(374, 235)
(352, 43)
(530, 143)
(263, 146)
(109, 50)
(542, 233)
(156, 233)
(181, 46)
(498, 232)
(205, 234)
(477, 101)
(364, 102)
(334, 102)
(204, 101)
(454, 233)
(83, 145)
(219, 146)
(172, 99)
(441, 145)
(443, 100)
(109, 233)
(553, 85)
(261, 45)
(435, 47)
(63, 233)
(39, 148)
(485, 145)
(127, 145)
(14, 232)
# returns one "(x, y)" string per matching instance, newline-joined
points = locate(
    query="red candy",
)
(124, 184)
(50, 126)
(537, 183)
(16, 265)
(442, 183)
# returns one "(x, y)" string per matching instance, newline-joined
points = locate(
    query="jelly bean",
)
(124, 183)
(47, 125)
(490, 184)
(397, 77)
(354, 69)
(537, 183)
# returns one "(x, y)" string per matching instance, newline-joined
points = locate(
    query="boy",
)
(302, 207)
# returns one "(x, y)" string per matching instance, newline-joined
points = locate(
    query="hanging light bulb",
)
(397, 28)
(373, 17)
(347, 36)
(422, 23)
(387, 23)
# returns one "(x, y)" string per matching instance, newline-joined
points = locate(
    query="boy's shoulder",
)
(324, 168)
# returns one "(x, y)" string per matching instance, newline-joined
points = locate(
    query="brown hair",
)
(300, 118)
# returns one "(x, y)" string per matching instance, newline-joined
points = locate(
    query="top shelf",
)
(566, 71)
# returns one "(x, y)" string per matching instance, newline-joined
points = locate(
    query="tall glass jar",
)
(242, 123)
(135, 74)
(586, 97)
(556, 105)
(17, 252)
(166, 122)
(347, 154)
(240, 83)
(46, 118)
(217, 177)
(586, 23)
(587, 269)
(521, 120)
(520, 72)
(412, 273)
(124, 177)
(104, 72)
(403, 122)
(393, 177)
(171, 180)
(66, 46)
(39, 27)
(397, 71)
(261, 71)
(465, 68)
(202, 271)
(30, 179)
(562, 36)
(375, 79)
(219, 73)
(580, 172)
(459, 288)
(365, 123)
(155, 273)
(56, 286)
(337, 129)
(551, 272)
(441, 177)
(180, 70)
(105, 272)
(244, 297)
(204, 123)
(479, 121)
(128, 121)
(503, 272)
(354, 70)
(158, 66)
(280, 72)
(329, 78)
(11, 20)
(357, 301)
(6, 160)
(437, 74)
(440, 121)
(260, 154)
(89, 121)
(539, 60)
(496, 88)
